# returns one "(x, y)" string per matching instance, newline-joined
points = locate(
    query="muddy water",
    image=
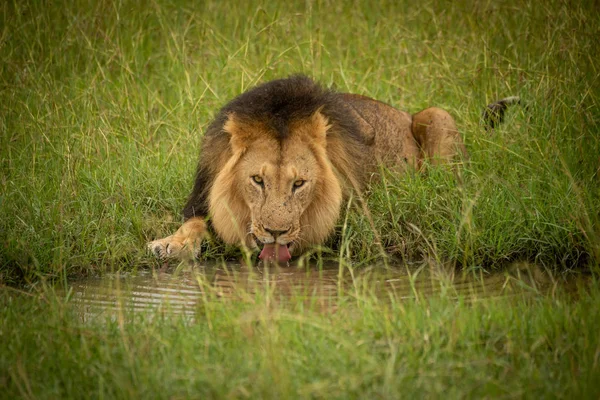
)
(181, 291)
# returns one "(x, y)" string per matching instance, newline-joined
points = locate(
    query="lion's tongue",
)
(274, 251)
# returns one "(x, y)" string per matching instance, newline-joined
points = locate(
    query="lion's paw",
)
(168, 247)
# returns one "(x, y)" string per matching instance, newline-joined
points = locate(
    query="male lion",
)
(278, 161)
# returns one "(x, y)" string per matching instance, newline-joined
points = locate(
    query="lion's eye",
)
(257, 179)
(298, 183)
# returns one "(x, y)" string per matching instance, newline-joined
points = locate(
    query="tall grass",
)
(104, 102)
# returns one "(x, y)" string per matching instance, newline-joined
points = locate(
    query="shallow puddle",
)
(181, 291)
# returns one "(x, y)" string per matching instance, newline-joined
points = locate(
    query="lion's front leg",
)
(186, 241)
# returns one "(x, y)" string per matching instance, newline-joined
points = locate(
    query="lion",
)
(278, 162)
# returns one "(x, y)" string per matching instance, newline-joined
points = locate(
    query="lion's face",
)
(279, 183)
(282, 193)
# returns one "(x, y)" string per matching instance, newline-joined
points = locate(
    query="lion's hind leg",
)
(437, 136)
(186, 240)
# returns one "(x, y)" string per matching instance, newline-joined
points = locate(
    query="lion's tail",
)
(493, 114)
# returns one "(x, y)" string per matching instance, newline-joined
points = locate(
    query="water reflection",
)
(181, 291)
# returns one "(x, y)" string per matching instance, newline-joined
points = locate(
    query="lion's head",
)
(281, 195)
(274, 164)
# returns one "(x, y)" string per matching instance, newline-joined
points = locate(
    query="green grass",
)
(258, 346)
(104, 104)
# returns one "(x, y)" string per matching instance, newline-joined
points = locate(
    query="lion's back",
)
(387, 129)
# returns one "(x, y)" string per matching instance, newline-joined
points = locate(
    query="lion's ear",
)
(319, 125)
(241, 133)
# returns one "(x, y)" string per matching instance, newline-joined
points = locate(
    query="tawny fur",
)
(279, 160)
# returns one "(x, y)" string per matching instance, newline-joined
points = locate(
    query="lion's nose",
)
(275, 233)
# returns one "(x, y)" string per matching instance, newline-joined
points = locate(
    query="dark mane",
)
(281, 102)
